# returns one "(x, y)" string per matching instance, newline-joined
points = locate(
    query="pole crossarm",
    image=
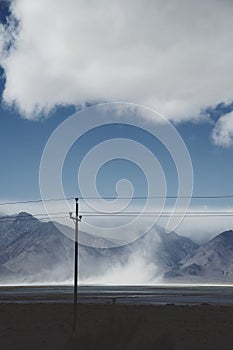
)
(74, 217)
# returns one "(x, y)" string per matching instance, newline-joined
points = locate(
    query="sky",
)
(59, 58)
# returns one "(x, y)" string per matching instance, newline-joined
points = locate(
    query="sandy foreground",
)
(120, 326)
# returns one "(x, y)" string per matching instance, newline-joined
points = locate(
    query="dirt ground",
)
(120, 326)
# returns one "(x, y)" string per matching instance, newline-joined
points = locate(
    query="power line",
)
(157, 197)
(115, 198)
(27, 215)
(51, 216)
(152, 212)
(38, 200)
(117, 213)
(159, 215)
(11, 219)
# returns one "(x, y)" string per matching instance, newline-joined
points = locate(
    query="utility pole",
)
(77, 218)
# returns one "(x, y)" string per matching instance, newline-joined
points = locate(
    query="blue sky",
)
(22, 142)
(48, 70)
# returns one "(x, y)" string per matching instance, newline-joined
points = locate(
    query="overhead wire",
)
(114, 198)
(37, 201)
(11, 219)
(63, 215)
(97, 213)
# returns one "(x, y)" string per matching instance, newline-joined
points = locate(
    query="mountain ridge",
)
(33, 250)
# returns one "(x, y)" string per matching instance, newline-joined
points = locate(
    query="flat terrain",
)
(119, 326)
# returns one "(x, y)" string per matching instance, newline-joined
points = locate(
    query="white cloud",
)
(2, 38)
(175, 56)
(222, 134)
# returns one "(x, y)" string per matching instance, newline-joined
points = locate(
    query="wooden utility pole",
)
(77, 218)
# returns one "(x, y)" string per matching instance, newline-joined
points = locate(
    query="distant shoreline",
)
(153, 295)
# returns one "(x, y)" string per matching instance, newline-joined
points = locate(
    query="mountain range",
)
(32, 251)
